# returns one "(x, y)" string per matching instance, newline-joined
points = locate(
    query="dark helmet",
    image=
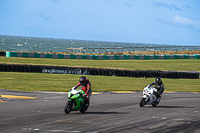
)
(158, 80)
(83, 80)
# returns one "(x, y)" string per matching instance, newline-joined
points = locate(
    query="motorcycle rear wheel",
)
(67, 108)
(156, 103)
(85, 107)
(142, 102)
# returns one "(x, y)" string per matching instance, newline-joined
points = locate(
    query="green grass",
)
(170, 64)
(64, 82)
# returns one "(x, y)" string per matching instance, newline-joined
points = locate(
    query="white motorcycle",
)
(149, 97)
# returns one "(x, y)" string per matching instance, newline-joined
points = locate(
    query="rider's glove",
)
(156, 93)
(86, 96)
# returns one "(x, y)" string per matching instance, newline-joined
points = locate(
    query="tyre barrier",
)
(2, 53)
(97, 71)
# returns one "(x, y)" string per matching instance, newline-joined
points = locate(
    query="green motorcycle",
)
(76, 101)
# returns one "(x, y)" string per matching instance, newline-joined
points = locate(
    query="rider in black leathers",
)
(158, 85)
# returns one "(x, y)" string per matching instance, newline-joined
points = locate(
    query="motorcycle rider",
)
(158, 85)
(86, 87)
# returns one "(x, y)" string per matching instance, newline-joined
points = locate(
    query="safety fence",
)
(97, 71)
(131, 49)
(98, 57)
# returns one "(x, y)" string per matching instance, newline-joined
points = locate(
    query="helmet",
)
(158, 80)
(83, 80)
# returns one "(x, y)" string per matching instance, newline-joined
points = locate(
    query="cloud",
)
(189, 7)
(168, 6)
(175, 7)
(128, 5)
(160, 4)
(187, 22)
(45, 17)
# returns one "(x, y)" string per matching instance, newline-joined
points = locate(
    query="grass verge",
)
(64, 82)
(170, 64)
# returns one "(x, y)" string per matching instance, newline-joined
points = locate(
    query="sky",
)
(173, 22)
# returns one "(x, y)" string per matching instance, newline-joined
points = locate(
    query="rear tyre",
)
(142, 102)
(85, 107)
(156, 103)
(68, 107)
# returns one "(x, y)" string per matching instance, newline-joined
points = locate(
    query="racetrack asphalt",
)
(108, 112)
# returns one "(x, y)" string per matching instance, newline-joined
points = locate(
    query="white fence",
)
(131, 49)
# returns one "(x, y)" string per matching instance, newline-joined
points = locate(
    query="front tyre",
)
(142, 102)
(67, 107)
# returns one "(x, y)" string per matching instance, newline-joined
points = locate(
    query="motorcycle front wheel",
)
(142, 102)
(67, 107)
